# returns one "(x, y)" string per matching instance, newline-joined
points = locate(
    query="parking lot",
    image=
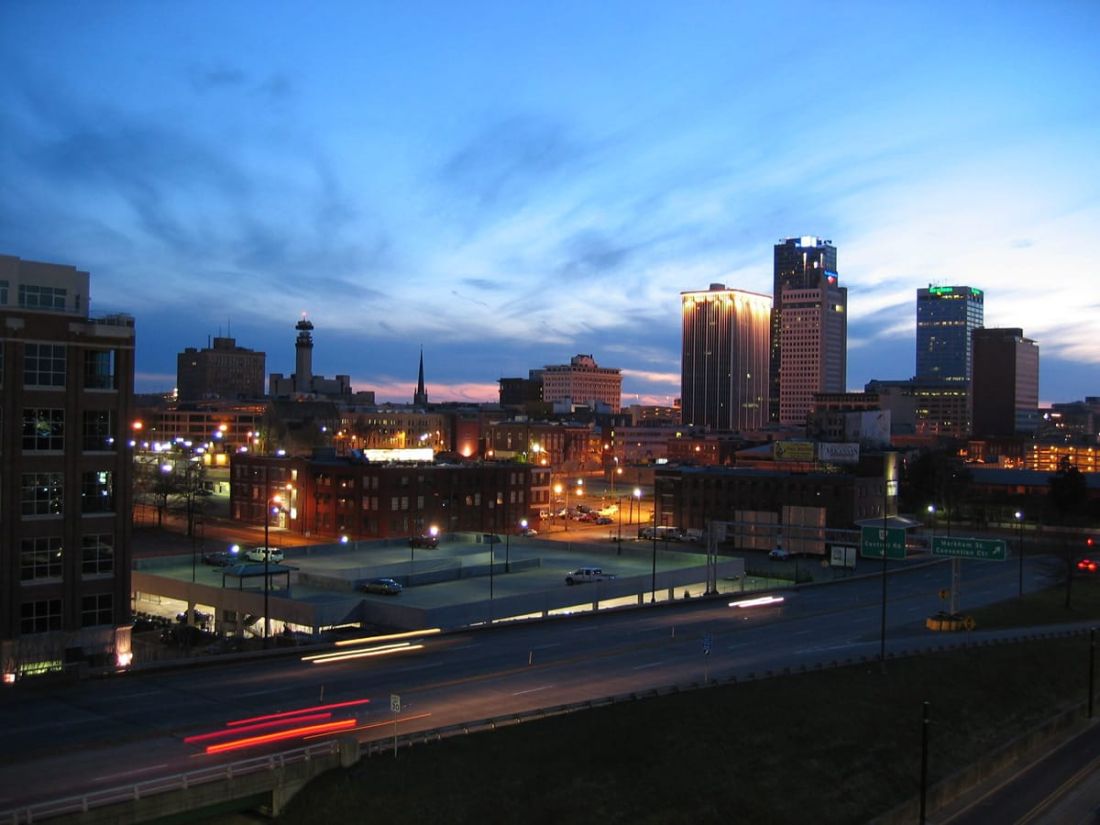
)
(467, 579)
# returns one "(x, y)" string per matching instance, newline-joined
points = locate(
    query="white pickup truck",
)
(587, 574)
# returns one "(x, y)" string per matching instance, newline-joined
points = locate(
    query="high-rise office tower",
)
(802, 265)
(65, 472)
(1006, 383)
(583, 381)
(724, 361)
(221, 371)
(946, 319)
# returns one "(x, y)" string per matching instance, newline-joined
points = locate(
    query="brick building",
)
(65, 472)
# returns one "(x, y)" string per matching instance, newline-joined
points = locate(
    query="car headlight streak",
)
(347, 655)
(389, 637)
(763, 600)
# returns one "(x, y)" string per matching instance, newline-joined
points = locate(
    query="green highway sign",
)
(870, 542)
(967, 548)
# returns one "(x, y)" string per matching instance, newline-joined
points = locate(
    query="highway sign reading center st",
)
(961, 547)
(870, 542)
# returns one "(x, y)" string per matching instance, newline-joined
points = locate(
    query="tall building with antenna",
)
(809, 328)
(220, 370)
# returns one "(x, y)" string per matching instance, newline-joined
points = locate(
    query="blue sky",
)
(510, 184)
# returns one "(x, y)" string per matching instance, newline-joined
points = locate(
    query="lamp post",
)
(267, 555)
(1020, 547)
(885, 542)
(653, 575)
(492, 546)
(619, 540)
(932, 526)
(507, 560)
(638, 496)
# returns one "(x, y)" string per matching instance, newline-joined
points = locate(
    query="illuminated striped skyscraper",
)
(724, 361)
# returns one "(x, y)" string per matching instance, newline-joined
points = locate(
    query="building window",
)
(40, 558)
(42, 494)
(99, 369)
(97, 554)
(99, 430)
(97, 492)
(3, 293)
(44, 365)
(34, 296)
(95, 610)
(43, 429)
(40, 617)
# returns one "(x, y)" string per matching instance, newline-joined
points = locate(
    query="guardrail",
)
(164, 784)
(386, 744)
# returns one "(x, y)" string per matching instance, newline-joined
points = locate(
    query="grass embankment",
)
(1044, 606)
(838, 746)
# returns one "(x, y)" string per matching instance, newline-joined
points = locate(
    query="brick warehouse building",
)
(65, 472)
(331, 495)
(806, 503)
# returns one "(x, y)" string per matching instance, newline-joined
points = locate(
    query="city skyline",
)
(508, 187)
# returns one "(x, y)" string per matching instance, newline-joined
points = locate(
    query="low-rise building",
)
(332, 495)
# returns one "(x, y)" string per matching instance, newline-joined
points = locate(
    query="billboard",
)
(847, 453)
(793, 451)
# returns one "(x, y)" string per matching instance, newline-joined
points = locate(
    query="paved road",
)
(1062, 788)
(67, 740)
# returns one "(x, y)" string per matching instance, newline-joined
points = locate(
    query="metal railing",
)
(84, 803)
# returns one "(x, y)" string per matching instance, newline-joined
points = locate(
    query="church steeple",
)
(420, 397)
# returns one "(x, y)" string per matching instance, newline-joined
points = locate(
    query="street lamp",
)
(932, 526)
(638, 496)
(653, 578)
(1020, 547)
(267, 559)
(619, 540)
(558, 492)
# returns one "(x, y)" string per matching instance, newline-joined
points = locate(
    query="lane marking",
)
(651, 664)
(532, 690)
(130, 773)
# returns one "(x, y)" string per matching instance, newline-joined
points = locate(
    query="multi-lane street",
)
(67, 740)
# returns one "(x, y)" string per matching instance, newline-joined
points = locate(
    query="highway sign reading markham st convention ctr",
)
(961, 547)
(870, 542)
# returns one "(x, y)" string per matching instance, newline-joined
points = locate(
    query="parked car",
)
(605, 520)
(201, 619)
(219, 558)
(387, 587)
(587, 574)
(274, 554)
(530, 532)
(426, 540)
(779, 553)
